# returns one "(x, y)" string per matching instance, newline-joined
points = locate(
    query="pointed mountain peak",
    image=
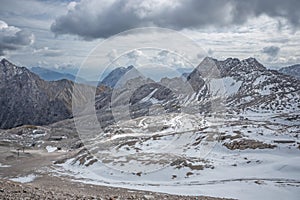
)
(9, 70)
(253, 64)
(7, 65)
(214, 68)
(6, 62)
(115, 75)
(251, 59)
(130, 67)
(209, 59)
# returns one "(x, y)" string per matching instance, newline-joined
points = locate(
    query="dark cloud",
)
(101, 19)
(12, 38)
(288, 9)
(271, 51)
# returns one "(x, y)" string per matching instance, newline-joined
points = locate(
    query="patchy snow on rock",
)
(51, 149)
(224, 86)
(1, 165)
(168, 154)
(24, 179)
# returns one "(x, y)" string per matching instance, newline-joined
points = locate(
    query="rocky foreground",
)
(60, 189)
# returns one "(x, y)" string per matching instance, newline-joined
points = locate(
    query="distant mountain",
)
(247, 85)
(238, 86)
(27, 99)
(293, 70)
(50, 75)
(115, 75)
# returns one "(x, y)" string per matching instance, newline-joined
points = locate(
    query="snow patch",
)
(226, 86)
(51, 149)
(4, 165)
(24, 179)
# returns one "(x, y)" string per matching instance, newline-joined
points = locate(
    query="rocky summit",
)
(27, 99)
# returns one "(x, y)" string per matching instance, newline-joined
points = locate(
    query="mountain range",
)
(50, 75)
(236, 85)
(231, 122)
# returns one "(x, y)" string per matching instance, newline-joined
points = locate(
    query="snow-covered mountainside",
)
(293, 70)
(250, 86)
(229, 123)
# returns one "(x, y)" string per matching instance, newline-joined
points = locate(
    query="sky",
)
(61, 35)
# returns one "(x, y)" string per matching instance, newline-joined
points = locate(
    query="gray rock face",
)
(27, 99)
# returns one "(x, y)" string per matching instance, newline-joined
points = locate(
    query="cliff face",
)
(27, 99)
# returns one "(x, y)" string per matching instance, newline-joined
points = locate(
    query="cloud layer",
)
(101, 19)
(13, 38)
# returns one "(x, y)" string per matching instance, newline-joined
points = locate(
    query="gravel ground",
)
(58, 188)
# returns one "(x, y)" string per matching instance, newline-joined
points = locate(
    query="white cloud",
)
(48, 52)
(13, 38)
(223, 28)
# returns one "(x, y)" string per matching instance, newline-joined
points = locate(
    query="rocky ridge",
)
(27, 99)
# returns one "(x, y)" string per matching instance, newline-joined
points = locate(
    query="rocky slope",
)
(248, 85)
(27, 99)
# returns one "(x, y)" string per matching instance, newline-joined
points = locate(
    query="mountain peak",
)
(8, 69)
(27, 99)
(6, 63)
(208, 59)
(130, 67)
(253, 64)
(115, 75)
(251, 59)
(215, 68)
